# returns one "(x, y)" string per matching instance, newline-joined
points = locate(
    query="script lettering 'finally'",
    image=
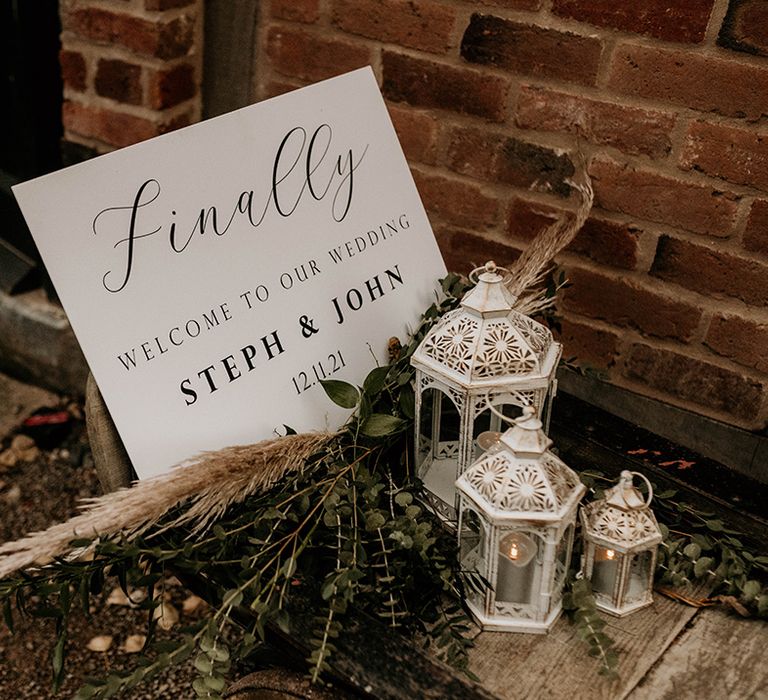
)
(302, 166)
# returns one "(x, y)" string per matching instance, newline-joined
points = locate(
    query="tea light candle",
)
(515, 575)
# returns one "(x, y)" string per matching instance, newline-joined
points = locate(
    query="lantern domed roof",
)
(621, 519)
(522, 478)
(485, 341)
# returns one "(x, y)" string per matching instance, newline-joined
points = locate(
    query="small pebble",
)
(12, 495)
(101, 642)
(134, 643)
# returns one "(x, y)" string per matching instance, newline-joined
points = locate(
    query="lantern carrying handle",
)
(490, 266)
(647, 483)
(507, 419)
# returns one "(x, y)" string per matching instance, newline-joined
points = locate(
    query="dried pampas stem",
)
(210, 484)
(530, 269)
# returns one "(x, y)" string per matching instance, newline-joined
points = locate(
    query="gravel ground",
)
(38, 491)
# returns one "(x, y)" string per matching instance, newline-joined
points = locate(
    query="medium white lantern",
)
(480, 355)
(621, 540)
(517, 515)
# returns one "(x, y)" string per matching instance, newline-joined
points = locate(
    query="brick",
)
(151, 38)
(113, 128)
(705, 83)
(745, 27)
(155, 5)
(737, 155)
(624, 303)
(588, 346)
(424, 25)
(508, 160)
(702, 383)
(277, 88)
(531, 50)
(711, 272)
(530, 5)
(455, 202)
(462, 252)
(119, 81)
(602, 240)
(427, 84)
(670, 20)
(630, 129)
(312, 57)
(73, 70)
(307, 11)
(756, 231)
(171, 87)
(417, 133)
(740, 339)
(649, 195)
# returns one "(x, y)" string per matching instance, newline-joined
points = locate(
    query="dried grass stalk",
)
(531, 268)
(210, 484)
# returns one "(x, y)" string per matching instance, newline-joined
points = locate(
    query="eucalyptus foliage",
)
(347, 530)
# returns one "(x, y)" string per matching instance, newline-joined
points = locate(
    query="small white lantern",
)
(517, 515)
(621, 540)
(480, 355)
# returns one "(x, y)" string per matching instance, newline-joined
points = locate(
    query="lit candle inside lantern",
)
(487, 440)
(515, 572)
(605, 571)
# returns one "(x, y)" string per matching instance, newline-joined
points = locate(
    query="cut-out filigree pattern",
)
(562, 479)
(526, 489)
(452, 343)
(538, 336)
(501, 352)
(626, 528)
(524, 612)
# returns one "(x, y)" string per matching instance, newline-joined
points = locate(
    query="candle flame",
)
(610, 554)
(514, 553)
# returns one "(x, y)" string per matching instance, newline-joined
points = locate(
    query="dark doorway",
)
(30, 121)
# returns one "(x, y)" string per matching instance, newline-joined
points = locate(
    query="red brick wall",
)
(131, 69)
(667, 100)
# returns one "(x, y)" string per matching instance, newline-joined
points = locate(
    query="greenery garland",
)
(348, 529)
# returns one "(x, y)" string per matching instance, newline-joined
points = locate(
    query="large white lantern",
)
(517, 514)
(478, 356)
(621, 540)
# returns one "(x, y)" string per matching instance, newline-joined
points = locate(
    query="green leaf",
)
(203, 663)
(58, 661)
(751, 589)
(375, 380)
(341, 393)
(380, 424)
(85, 692)
(232, 598)
(407, 402)
(715, 525)
(692, 551)
(374, 520)
(404, 498)
(215, 682)
(702, 565)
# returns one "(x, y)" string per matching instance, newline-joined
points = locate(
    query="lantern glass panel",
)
(516, 568)
(472, 538)
(427, 422)
(439, 443)
(563, 556)
(639, 577)
(606, 570)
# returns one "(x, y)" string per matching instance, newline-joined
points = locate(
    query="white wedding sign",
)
(215, 274)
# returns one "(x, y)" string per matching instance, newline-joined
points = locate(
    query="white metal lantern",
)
(517, 515)
(621, 539)
(480, 355)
